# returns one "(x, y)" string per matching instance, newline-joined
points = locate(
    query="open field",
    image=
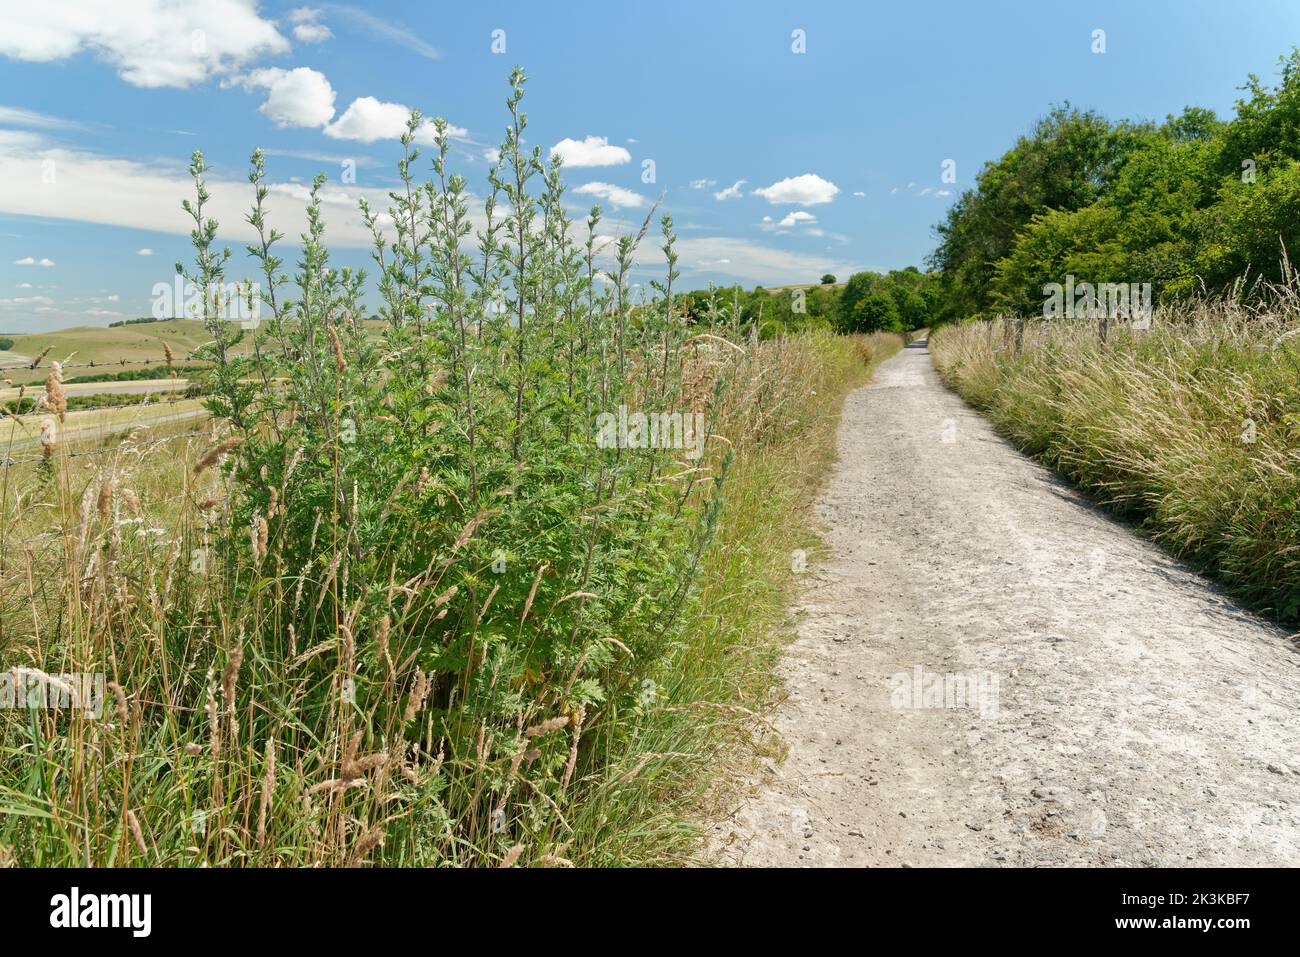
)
(93, 425)
(108, 348)
(82, 345)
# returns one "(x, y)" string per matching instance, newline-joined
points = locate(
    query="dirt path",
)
(1125, 712)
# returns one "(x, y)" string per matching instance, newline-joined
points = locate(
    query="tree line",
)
(1192, 205)
(896, 301)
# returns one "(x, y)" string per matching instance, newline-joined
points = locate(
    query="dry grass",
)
(1191, 429)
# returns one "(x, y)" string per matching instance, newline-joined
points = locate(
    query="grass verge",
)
(1191, 429)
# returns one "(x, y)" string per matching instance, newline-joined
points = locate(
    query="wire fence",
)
(33, 366)
(164, 397)
(28, 459)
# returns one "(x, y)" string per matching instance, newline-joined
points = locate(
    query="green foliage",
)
(898, 301)
(1191, 205)
(143, 320)
(6, 344)
(828, 280)
(144, 374)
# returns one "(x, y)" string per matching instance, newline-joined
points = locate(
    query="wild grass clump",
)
(403, 607)
(1190, 428)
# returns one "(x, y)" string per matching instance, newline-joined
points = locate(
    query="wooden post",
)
(1020, 333)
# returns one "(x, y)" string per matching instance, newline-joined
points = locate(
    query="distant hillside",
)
(137, 343)
(82, 345)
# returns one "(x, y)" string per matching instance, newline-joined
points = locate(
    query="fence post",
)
(1020, 333)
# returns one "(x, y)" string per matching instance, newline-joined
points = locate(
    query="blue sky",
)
(826, 160)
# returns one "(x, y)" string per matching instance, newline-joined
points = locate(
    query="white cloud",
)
(151, 43)
(859, 194)
(368, 119)
(616, 195)
(428, 133)
(305, 26)
(702, 183)
(28, 301)
(17, 116)
(492, 155)
(797, 217)
(32, 261)
(328, 197)
(592, 151)
(297, 97)
(24, 285)
(144, 252)
(383, 30)
(754, 262)
(731, 192)
(806, 190)
(334, 159)
(107, 190)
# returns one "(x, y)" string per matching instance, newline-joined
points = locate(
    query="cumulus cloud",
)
(806, 190)
(297, 97)
(616, 195)
(144, 252)
(592, 151)
(306, 27)
(33, 261)
(731, 192)
(797, 217)
(160, 43)
(368, 119)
